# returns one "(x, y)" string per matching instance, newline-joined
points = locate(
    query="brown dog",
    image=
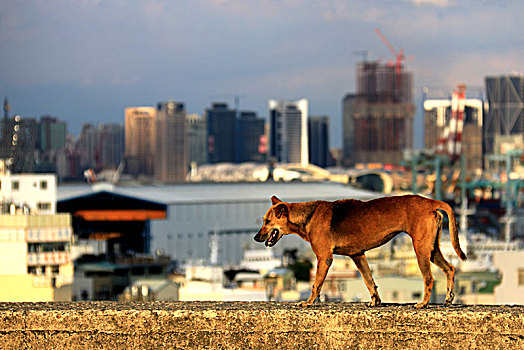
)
(351, 227)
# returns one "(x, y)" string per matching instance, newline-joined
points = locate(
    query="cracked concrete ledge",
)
(257, 325)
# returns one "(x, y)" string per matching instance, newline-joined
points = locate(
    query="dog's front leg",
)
(323, 265)
(362, 266)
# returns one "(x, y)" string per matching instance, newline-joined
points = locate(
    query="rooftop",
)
(228, 192)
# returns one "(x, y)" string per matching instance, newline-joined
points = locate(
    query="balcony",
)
(48, 258)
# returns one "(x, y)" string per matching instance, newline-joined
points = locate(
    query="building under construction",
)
(378, 119)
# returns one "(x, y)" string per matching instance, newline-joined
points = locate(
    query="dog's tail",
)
(453, 229)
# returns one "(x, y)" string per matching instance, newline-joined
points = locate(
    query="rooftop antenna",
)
(5, 146)
(365, 54)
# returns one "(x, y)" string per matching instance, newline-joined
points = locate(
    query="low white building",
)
(35, 193)
(35, 242)
(510, 264)
(205, 283)
(261, 260)
(151, 290)
(392, 289)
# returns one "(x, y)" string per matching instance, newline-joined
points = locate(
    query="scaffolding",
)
(383, 83)
(383, 113)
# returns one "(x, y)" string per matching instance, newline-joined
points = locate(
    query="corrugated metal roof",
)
(230, 192)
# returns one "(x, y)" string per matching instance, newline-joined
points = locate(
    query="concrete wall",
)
(257, 325)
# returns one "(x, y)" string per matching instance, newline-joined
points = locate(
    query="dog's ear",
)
(275, 200)
(281, 210)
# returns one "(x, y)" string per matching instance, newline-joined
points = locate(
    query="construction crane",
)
(399, 56)
(450, 142)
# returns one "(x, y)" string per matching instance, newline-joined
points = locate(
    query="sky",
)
(86, 60)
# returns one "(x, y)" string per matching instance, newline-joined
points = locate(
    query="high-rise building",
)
(378, 120)
(288, 138)
(51, 139)
(170, 156)
(111, 145)
(348, 125)
(52, 135)
(437, 115)
(220, 133)
(250, 138)
(21, 154)
(233, 136)
(504, 124)
(88, 142)
(318, 136)
(196, 139)
(139, 140)
(101, 146)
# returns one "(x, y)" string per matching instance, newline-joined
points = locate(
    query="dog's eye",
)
(267, 221)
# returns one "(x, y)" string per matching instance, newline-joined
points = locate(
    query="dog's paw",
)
(375, 301)
(449, 299)
(303, 304)
(420, 306)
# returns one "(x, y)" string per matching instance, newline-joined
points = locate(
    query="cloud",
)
(437, 3)
(474, 67)
(128, 81)
(319, 79)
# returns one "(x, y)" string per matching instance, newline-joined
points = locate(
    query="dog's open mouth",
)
(273, 238)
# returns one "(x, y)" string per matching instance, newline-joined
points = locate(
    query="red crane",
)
(399, 57)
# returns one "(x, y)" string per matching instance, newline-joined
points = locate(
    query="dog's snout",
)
(259, 237)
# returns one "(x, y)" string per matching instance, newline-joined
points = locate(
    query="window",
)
(15, 185)
(43, 205)
(137, 271)
(395, 295)
(520, 277)
(156, 270)
(43, 185)
(47, 247)
(473, 287)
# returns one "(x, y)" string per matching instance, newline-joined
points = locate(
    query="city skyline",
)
(86, 61)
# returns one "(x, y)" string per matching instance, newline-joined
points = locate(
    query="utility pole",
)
(464, 211)
(414, 161)
(5, 145)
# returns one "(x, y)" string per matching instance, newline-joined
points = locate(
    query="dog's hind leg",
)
(449, 270)
(423, 259)
(438, 259)
(323, 264)
(362, 266)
